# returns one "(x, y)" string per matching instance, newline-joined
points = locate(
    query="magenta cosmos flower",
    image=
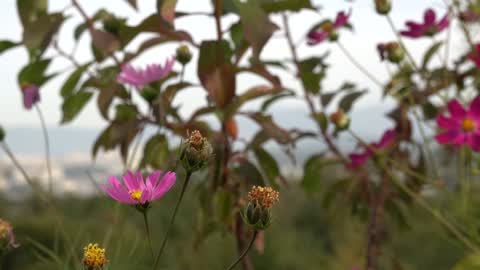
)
(462, 126)
(358, 159)
(31, 95)
(327, 29)
(429, 27)
(141, 77)
(136, 191)
(475, 55)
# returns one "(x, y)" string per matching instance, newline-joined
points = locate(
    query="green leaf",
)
(311, 178)
(216, 72)
(275, 132)
(247, 172)
(256, 24)
(125, 112)
(29, 10)
(37, 34)
(322, 119)
(69, 86)
(312, 71)
(166, 9)
(105, 42)
(347, 101)
(133, 4)
(269, 166)
(470, 262)
(272, 6)
(156, 152)
(34, 73)
(325, 99)
(6, 45)
(74, 104)
(430, 53)
(267, 103)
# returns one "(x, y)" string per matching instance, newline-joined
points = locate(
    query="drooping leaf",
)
(256, 24)
(251, 94)
(72, 81)
(216, 72)
(347, 101)
(267, 103)
(156, 152)
(74, 104)
(269, 166)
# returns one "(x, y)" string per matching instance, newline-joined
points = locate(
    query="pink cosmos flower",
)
(358, 159)
(142, 77)
(31, 95)
(136, 191)
(327, 29)
(463, 125)
(429, 27)
(475, 55)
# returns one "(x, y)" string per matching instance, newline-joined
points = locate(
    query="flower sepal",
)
(195, 152)
(257, 217)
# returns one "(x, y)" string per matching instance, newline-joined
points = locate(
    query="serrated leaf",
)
(72, 81)
(347, 101)
(256, 24)
(430, 53)
(74, 104)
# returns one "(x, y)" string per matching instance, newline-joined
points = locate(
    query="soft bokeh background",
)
(304, 237)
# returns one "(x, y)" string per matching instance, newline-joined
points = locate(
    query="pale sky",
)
(369, 30)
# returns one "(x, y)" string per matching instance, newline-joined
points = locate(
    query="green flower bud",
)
(184, 55)
(257, 213)
(195, 152)
(340, 120)
(395, 52)
(383, 7)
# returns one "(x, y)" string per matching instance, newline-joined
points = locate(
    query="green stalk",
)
(47, 148)
(172, 219)
(255, 233)
(147, 229)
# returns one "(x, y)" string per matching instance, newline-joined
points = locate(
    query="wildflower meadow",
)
(237, 136)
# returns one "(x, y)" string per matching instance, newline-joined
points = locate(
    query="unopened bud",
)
(391, 51)
(383, 7)
(257, 213)
(183, 54)
(340, 120)
(196, 151)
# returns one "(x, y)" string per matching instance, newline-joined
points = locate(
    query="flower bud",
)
(183, 54)
(257, 213)
(94, 257)
(195, 152)
(391, 51)
(340, 120)
(7, 238)
(383, 7)
(2, 134)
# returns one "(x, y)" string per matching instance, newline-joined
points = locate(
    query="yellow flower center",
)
(94, 256)
(327, 27)
(136, 194)
(468, 125)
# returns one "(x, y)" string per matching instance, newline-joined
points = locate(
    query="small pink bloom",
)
(358, 159)
(135, 191)
(31, 95)
(462, 127)
(429, 27)
(475, 55)
(328, 29)
(142, 77)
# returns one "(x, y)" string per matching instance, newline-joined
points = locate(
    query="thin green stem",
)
(254, 236)
(172, 219)
(358, 65)
(47, 148)
(147, 229)
(182, 74)
(19, 166)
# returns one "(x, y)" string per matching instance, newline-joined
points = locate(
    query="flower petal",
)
(449, 137)
(357, 160)
(429, 17)
(387, 138)
(475, 108)
(456, 110)
(166, 183)
(446, 123)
